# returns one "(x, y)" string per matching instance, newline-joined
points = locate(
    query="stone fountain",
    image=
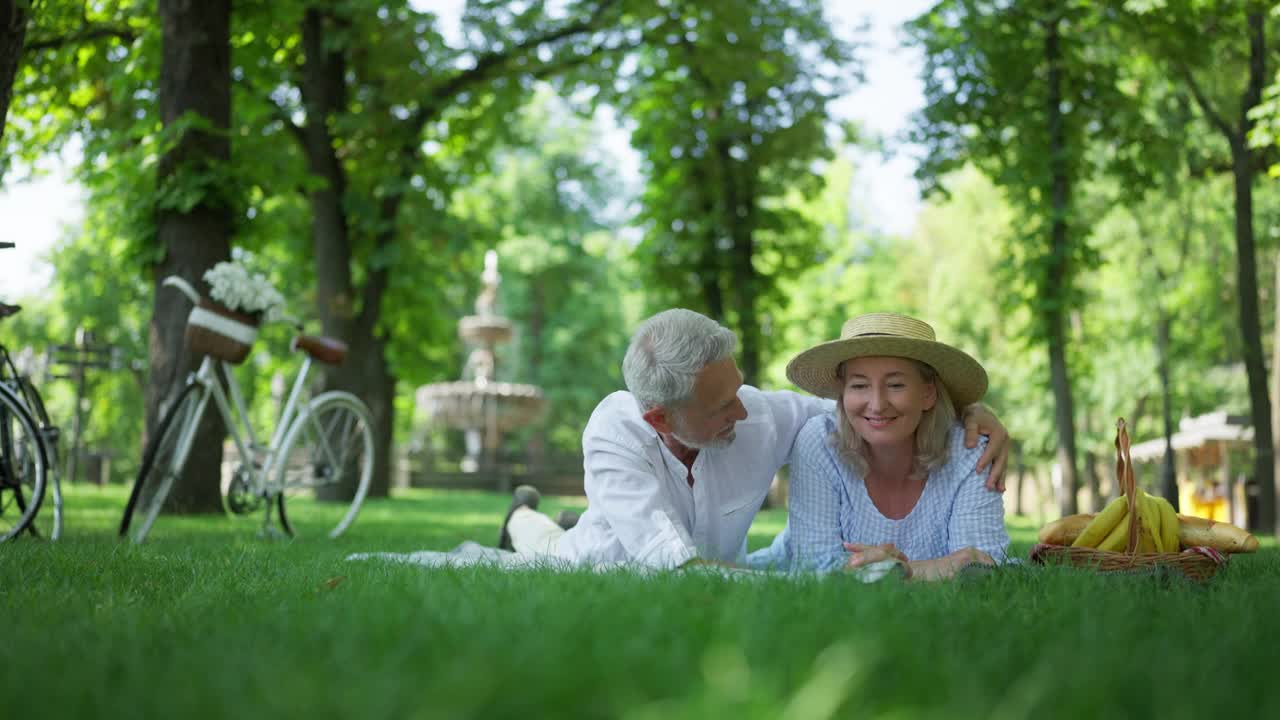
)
(479, 405)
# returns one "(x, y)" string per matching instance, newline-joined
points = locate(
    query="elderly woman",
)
(887, 476)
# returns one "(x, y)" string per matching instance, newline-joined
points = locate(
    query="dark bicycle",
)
(28, 444)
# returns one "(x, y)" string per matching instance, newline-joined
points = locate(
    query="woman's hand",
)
(971, 556)
(948, 565)
(860, 554)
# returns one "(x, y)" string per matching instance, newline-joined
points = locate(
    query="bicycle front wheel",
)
(24, 469)
(326, 462)
(162, 463)
(48, 524)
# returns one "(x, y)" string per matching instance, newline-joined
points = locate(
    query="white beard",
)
(718, 443)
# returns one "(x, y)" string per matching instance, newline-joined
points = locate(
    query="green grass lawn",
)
(206, 620)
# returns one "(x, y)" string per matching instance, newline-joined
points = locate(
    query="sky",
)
(35, 214)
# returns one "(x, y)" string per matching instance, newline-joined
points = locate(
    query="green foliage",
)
(78, 58)
(730, 101)
(987, 89)
(452, 146)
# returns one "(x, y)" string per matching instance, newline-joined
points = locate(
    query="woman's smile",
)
(878, 422)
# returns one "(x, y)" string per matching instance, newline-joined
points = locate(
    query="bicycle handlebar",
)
(184, 287)
(4, 245)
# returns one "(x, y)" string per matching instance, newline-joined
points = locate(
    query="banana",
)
(1101, 526)
(1168, 526)
(1149, 525)
(1118, 538)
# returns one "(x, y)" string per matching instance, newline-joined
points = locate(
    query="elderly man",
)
(678, 465)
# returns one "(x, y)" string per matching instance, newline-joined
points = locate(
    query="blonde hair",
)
(931, 435)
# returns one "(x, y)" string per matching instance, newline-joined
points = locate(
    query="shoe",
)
(522, 496)
(567, 518)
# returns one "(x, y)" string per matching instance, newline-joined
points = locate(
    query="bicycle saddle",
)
(322, 349)
(7, 310)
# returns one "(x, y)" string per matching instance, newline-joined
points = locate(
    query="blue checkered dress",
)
(829, 505)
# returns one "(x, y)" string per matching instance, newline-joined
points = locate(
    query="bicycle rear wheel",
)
(162, 463)
(326, 462)
(24, 469)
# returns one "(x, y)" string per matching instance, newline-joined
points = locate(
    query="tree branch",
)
(489, 63)
(85, 34)
(1205, 105)
(1252, 95)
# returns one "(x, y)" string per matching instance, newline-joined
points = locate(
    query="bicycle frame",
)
(235, 416)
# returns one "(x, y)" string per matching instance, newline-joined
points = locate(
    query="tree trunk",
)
(534, 334)
(1093, 481)
(739, 205)
(1058, 276)
(14, 17)
(709, 276)
(324, 96)
(745, 283)
(1275, 374)
(1168, 469)
(709, 264)
(365, 373)
(1247, 281)
(195, 77)
(1020, 477)
(1250, 331)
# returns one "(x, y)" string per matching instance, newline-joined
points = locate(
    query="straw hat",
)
(892, 335)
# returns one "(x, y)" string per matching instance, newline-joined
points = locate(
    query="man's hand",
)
(978, 420)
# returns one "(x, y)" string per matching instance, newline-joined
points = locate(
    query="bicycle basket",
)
(219, 332)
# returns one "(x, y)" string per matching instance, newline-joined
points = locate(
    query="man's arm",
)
(791, 410)
(979, 420)
(627, 490)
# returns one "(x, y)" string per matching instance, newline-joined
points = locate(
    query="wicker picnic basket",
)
(1196, 563)
(215, 330)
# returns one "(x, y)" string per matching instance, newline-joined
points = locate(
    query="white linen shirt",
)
(640, 507)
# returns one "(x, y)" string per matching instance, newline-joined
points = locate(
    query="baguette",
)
(1221, 536)
(1064, 531)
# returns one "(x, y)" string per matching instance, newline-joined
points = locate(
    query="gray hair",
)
(932, 434)
(668, 351)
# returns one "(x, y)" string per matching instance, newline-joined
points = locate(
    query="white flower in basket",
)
(231, 285)
(225, 324)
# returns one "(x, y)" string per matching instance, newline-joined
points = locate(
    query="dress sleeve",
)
(977, 514)
(626, 489)
(813, 517)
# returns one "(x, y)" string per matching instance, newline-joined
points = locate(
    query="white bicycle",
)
(320, 457)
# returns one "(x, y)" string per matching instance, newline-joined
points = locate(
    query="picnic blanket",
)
(471, 553)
